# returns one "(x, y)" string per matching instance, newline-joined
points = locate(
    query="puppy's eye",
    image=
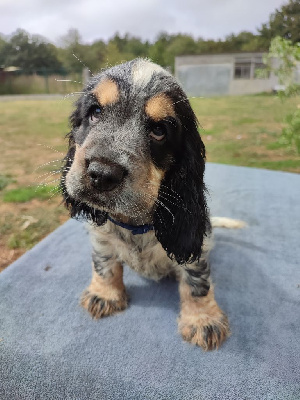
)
(158, 132)
(95, 113)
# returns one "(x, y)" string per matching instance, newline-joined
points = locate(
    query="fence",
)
(43, 81)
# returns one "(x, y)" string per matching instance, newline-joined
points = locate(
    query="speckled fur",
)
(143, 253)
(163, 186)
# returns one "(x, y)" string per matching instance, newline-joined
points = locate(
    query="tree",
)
(209, 46)
(3, 44)
(70, 39)
(72, 52)
(135, 46)
(29, 52)
(288, 55)
(157, 51)
(96, 55)
(114, 55)
(284, 22)
(179, 45)
(244, 41)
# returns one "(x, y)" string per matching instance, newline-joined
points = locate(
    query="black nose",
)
(105, 176)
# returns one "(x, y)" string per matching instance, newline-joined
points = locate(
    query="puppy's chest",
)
(147, 258)
(143, 253)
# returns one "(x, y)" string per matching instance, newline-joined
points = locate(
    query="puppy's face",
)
(126, 136)
(135, 153)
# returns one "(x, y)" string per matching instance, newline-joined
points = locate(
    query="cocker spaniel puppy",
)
(135, 169)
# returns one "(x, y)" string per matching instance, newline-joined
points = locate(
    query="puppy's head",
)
(135, 154)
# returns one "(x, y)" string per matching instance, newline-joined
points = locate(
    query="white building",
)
(223, 74)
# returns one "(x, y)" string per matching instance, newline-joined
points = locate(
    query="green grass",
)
(30, 236)
(281, 165)
(4, 181)
(245, 130)
(34, 120)
(245, 120)
(32, 133)
(241, 130)
(275, 145)
(25, 240)
(234, 128)
(20, 234)
(23, 194)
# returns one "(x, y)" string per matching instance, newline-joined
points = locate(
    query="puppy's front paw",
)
(99, 307)
(205, 331)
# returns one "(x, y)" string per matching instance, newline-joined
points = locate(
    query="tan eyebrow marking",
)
(107, 92)
(160, 107)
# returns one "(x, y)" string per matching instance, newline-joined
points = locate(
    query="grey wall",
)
(213, 75)
(205, 80)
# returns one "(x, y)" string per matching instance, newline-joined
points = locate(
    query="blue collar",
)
(135, 230)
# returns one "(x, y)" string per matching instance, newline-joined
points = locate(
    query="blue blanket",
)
(50, 348)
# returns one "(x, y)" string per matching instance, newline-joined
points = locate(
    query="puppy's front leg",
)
(201, 321)
(106, 294)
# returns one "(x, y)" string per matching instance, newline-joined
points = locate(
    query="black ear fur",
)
(181, 223)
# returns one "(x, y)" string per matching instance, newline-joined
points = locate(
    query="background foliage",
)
(35, 54)
(288, 54)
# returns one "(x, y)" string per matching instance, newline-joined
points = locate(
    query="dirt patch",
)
(8, 256)
(25, 224)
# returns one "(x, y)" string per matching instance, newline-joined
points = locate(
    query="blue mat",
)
(50, 348)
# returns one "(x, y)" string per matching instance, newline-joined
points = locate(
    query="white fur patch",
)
(223, 222)
(143, 70)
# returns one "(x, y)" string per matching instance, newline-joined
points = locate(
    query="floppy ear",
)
(77, 209)
(181, 218)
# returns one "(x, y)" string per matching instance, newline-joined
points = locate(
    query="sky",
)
(100, 19)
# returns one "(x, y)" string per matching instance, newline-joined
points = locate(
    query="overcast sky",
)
(100, 19)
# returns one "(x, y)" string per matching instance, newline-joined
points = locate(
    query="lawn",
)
(244, 130)
(236, 130)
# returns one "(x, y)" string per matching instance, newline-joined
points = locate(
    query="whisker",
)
(50, 162)
(187, 99)
(168, 188)
(128, 205)
(77, 58)
(156, 201)
(163, 196)
(54, 189)
(50, 148)
(48, 183)
(175, 196)
(67, 80)
(72, 94)
(53, 194)
(48, 174)
(45, 180)
(144, 196)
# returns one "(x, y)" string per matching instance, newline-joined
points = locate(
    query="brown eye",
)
(95, 113)
(158, 132)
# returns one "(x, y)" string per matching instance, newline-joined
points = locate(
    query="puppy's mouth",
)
(102, 201)
(121, 203)
(97, 183)
(106, 187)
